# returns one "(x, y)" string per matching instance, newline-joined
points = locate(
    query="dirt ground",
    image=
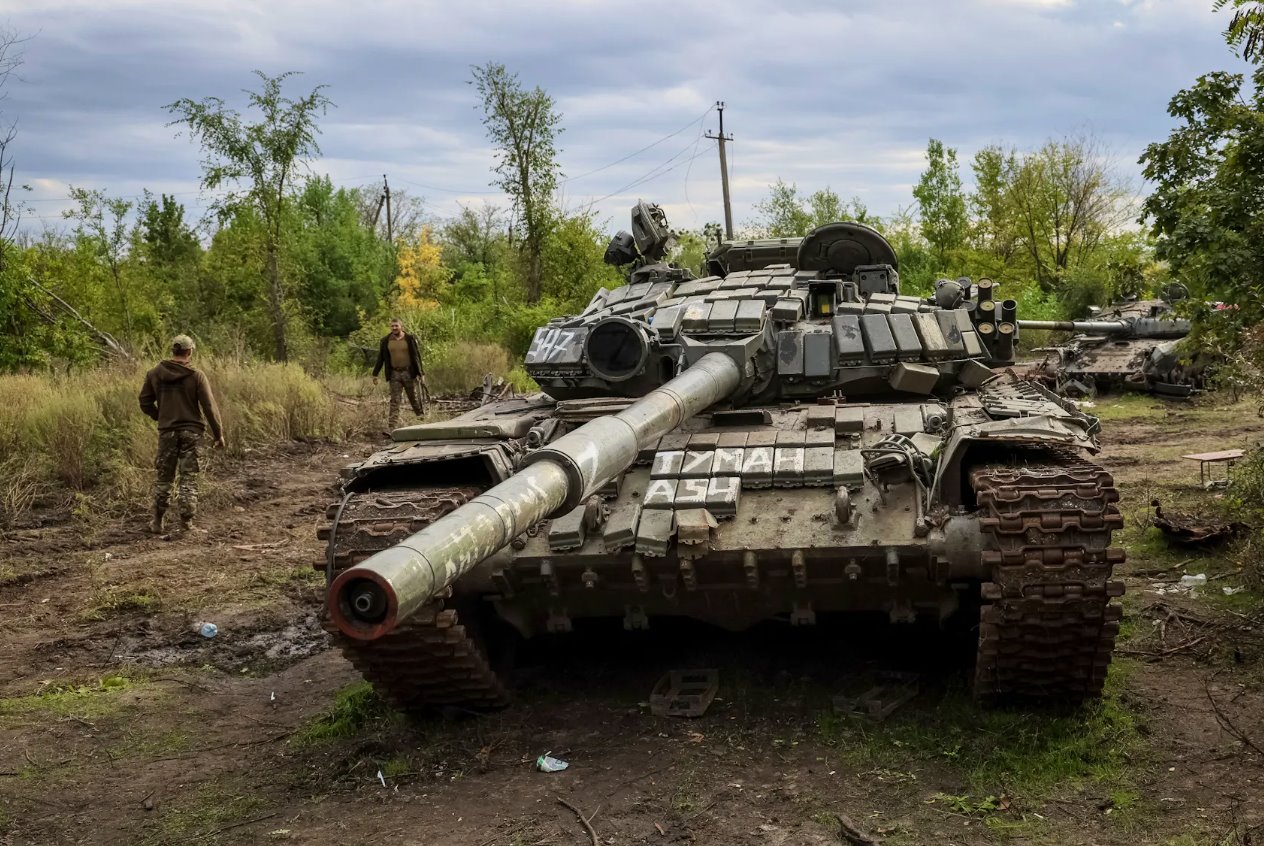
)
(119, 723)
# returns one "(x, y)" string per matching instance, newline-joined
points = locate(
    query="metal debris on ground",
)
(1193, 529)
(546, 763)
(880, 701)
(684, 693)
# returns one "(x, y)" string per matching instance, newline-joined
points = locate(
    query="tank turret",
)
(781, 440)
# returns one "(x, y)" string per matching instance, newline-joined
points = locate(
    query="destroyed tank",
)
(1135, 345)
(785, 442)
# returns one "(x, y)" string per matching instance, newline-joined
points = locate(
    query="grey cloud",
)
(818, 93)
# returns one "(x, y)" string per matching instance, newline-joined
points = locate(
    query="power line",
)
(443, 190)
(689, 170)
(698, 119)
(654, 173)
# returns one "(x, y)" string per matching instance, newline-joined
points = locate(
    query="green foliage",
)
(1245, 33)
(166, 254)
(967, 804)
(257, 162)
(96, 699)
(572, 261)
(523, 126)
(340, 263)
(1007, 752)
(940, 200)
(356, 708)
(994, 229)
(1065, 201)
(1208, 177)
(203, 813)
(32, 331)
(129, 302)
(1246, 502)
(476, 237)
(690, 252)
(783, 214)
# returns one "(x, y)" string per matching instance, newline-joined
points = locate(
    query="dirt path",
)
(120, 724)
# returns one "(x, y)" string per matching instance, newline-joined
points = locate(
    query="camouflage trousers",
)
(402, 381)
(179, 456)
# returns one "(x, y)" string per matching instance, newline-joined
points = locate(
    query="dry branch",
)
(1227, 724)
(108, 341)
(592, 833)
(849, 833)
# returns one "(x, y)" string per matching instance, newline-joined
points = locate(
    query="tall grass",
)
(459, 368)
(83, 435)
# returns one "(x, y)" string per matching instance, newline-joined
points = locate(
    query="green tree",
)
(781, 214)
(475, 236)
(992, 227)
(1208, 179)
(231, 294)
(343, 267)
(690, 251)
(10, 208)
(166, 251)
(165, 236)
(573, 265)
(918, 266)
(523, 125)
(1065, 199)
(824, 206)
(941, 201)
(102, 232)
(256, 162)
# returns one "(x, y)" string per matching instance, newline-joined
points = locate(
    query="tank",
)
(1135, 345)
(783, 442)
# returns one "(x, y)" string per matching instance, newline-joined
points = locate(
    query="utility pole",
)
(390, 225)
(724, 171)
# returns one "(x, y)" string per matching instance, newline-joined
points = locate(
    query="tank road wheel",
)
(1047, 626)
(437, 657)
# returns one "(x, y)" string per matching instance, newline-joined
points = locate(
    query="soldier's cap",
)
(183, 343)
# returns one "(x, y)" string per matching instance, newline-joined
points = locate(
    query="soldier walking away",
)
(177, 396)
(399, 356)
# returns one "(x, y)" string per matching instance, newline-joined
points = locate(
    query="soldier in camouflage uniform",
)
(178, 397)
(399, 356)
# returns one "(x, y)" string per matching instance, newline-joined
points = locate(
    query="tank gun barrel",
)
(1100, 327)
(368, 600)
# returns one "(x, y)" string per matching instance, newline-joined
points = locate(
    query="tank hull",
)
(1092, 366)
(779, 512)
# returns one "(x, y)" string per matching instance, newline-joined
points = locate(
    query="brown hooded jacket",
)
(177, 396)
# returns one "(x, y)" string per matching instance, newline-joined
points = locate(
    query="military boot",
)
(155, 521)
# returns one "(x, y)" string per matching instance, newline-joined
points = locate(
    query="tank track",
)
(433, 658)
(1047, 626)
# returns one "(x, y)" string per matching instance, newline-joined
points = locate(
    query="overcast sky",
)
(840, 94)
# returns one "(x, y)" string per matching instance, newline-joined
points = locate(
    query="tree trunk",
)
(276, 305)
(533, 273)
